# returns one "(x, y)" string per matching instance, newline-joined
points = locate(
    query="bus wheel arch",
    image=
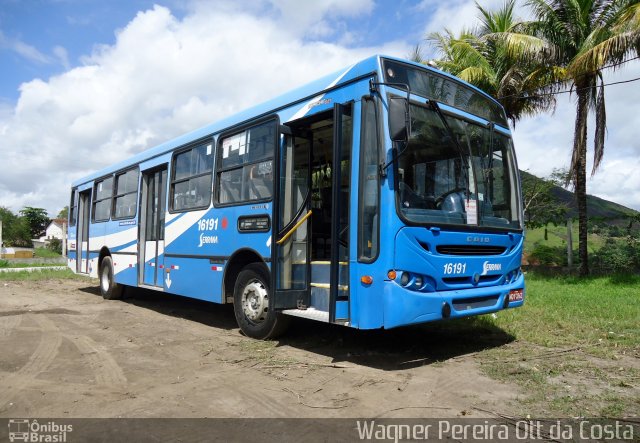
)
(253, 304)
(104, 252)
(237, 262)
(247, 282)
(109, 289)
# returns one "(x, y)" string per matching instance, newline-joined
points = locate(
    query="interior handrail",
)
(293, 229)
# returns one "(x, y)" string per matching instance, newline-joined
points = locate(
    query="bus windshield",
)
(472, 182)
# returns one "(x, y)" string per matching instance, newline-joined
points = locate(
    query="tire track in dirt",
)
(106, 369)
(44, 354)
(245, 397)
(9, 324)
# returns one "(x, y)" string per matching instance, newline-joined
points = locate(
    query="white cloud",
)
(32, 54)
(456, 15)
(307, 18)
(163, 76)
(22, 49)
(545, 142)
(62, 56)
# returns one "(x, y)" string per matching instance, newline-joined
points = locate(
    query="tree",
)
(15, 230)
(64, 213)
(541, 207)
(498, 58)
(37, 220)
(586, 35)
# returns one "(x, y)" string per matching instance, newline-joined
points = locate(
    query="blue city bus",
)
(386, 194)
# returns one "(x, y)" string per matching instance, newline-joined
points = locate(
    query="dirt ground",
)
(66, 352)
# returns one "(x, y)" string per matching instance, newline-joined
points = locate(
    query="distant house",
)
(54, 230)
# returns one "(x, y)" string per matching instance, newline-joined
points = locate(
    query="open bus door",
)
(82, 236)
(310, 263)
(341, 199)
(151, 228)
(292, 225)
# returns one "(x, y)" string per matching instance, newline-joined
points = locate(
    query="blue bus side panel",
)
(126, 270)
(366, 300)
(187, 234)
(121, 240)
(193, 277)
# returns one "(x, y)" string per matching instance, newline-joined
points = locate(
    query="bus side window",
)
(73, 207)
(126, 195)
(191, 184)
(103, 191)
(245, 165)
(369, 204)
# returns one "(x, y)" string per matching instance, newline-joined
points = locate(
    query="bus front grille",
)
(470, 250)
(483, 280)
(465, 304)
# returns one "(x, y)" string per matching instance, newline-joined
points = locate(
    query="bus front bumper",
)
(403, 306)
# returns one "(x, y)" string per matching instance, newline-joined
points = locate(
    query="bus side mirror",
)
(399, 119)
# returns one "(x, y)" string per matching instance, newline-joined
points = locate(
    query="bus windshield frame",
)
(441, 88)
(471, 184)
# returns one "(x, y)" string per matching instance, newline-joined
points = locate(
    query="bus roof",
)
(308, 91)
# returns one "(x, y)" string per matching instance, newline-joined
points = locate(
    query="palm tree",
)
(499, 59)
(587, 35)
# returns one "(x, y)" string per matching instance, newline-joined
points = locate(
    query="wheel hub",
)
(255, 301)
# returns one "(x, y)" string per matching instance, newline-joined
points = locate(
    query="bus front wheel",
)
(109, 289)
(252, 307)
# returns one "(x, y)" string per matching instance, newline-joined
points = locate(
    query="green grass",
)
(557, 237)
(574, 339)
(10, 264)
(44, 274)
(562, 311)
(45, 253)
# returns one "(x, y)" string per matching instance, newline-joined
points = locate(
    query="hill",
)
(597, 208)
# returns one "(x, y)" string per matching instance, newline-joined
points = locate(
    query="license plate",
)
(516, 295)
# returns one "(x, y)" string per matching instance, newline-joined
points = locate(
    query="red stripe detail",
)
(161, 266)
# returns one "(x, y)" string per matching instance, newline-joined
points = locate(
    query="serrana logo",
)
(207, 239)
(486, 267)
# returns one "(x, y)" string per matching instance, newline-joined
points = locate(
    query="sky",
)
(87, 83)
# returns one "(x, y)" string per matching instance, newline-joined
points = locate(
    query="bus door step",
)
(320, 295)
(321, 272)
(310, 313)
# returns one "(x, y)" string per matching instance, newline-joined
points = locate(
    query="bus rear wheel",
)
(109, 289)
(252, 305)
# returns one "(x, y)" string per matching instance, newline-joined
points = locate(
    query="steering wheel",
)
(441, 198)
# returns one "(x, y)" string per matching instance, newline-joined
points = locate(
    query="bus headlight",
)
(404, 280)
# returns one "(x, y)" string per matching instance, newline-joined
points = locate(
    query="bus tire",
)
(109, 289)
(251, 299)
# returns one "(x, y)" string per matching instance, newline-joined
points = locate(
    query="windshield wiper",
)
(436, 108)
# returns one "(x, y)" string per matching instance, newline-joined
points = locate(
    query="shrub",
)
(549, 255)
(55, 245)
(617, 256)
